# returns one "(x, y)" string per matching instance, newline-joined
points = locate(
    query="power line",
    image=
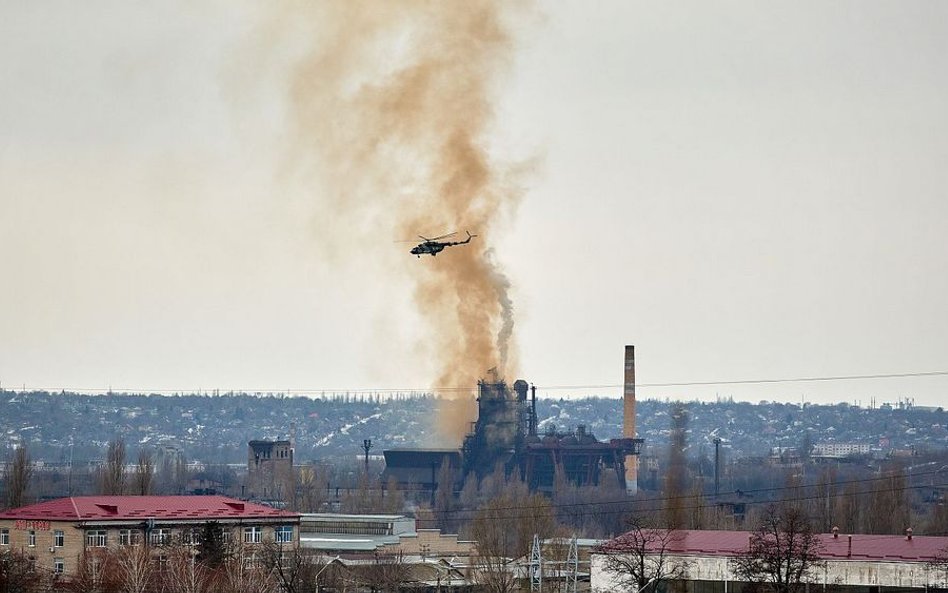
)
(761, 381)
(455, 389)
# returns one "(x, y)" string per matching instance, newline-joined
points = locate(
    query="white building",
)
(850, 563)
(839, 450)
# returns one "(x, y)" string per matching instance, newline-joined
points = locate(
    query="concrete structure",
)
(270, 470)
(628, 419)
(856, 563)
(57, 533)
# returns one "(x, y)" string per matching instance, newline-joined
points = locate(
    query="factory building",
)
(270, 470)
(505, 436)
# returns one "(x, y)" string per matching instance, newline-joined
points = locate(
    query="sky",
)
(742, 190)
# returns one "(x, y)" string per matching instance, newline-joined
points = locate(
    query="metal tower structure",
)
(572, 566)
(536, 566)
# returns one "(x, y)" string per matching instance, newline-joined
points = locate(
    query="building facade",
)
(847, 563)
(56, 534)
(270, 470)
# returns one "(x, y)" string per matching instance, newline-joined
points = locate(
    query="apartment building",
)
(56, 533)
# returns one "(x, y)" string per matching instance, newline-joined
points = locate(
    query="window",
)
(252, 535)
(59, 538)
(228, 536)
(129, 537)
(96, 538)
(190, 536)
(4, 537)
(59, 565)
(31, 538)
(283, 534)
(160, 537)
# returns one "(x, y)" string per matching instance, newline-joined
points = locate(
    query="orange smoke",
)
(395, 98)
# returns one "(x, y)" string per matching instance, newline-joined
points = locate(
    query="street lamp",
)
(320, 571)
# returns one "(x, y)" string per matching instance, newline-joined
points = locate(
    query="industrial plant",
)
(506, 436)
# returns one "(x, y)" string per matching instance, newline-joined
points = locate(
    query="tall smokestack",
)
(628, 425)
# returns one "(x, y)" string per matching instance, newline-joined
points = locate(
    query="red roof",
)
(864, 547)
(118, 508)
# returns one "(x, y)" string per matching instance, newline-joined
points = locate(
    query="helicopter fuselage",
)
(429, 247)
(434, 247)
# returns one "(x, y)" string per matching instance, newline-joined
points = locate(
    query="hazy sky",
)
(743, 190)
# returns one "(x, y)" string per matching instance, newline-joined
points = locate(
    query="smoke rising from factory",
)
(390, 106)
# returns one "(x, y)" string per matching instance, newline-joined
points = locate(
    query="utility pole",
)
(366, 445)
(717, 465)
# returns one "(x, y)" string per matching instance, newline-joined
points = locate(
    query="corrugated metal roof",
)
(864, 547)
(354, 543)
(120, 508)
(352, 517)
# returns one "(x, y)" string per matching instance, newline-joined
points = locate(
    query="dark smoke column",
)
(628, 425)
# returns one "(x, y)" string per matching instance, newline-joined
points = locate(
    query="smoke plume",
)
(394, 100)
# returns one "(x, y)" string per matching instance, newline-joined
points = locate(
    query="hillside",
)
(215, 429)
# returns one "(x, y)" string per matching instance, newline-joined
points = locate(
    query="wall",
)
(867, 573)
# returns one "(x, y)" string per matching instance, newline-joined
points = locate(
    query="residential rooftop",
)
(85, 508)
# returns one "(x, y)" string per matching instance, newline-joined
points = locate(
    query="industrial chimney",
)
(628, 425)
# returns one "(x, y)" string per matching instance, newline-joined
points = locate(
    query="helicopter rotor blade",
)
(444, 236)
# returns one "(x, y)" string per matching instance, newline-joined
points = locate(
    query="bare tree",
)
(388, 572)
(503, 529)
(293, 569)
(394, 502)
(889, 508)
(242, 572)
(642, 556)
(20, 472)
(366, 498)
(182, 475)
(184, 574)
(495, 546)
(848, 510)
(18, 573)
(313, 484)
(136, 569)
(825, 497)
(97, 573)
(144, 473)
(783, 552)
(112, 480)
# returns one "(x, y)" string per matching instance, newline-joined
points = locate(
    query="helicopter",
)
(435, 246)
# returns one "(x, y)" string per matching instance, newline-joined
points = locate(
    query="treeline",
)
(206, 563)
